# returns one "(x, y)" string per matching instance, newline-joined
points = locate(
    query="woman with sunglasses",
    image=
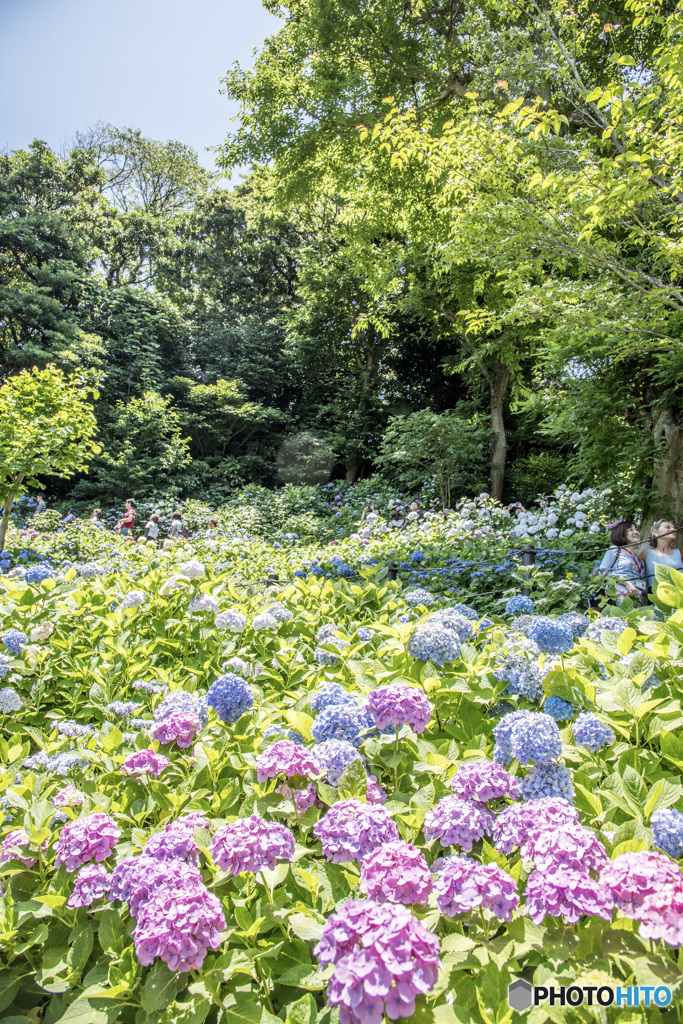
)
(622, 561)
(663, 549)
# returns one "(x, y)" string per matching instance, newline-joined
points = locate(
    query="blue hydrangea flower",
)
(591, 733)
(667, 831)
(328, 658)
(182, 700)
(334, 756)
(344, 570)
(523, 677)
(417, 556)
(559, 709)
(125, 709)
(548, 780)
(38, 573)
(340, 722)
(432, 641)
(67, 727)
(502, 734)
(300, 573)
(520, 604)
(328, 629)
(403, 619)
(537, 739)
(14, 640)
(331, 693)
(365, 634)
(609, 622)
(551, 635)
(454, 621)
(277, 730)
(142, 684)
(230, 696)
(90, 569)
(4, 665)
(577, 623)
(9, 700)
(419, 596)
(469, 613)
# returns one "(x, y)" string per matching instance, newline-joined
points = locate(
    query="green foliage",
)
(445, 446)
(304, 459)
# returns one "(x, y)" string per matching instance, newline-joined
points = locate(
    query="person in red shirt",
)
(125, 525)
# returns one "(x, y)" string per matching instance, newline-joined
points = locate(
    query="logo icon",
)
(520, 995)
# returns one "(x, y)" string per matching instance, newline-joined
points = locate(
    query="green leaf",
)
(306, 927)
(160, 988)
(303, 1011)
(353, 782)
(80, 948)
(89, 1011)
(634, 788)
(112, 932)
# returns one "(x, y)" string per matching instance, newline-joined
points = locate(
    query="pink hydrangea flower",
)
(458, 822)
(397, 705)
(464, 884)
(92, 882)
(484, 781)
(350, 830)
(251, 844)
(136, 879)
(176, 841)
(286, 758)
(661, 915)
(631, 877)
(12, 843)
(515, 823)
(374, 793)
(92, 837)
(181, 726)
(302, 798)
(384, 958)
(144, 761)
(396, 873)
(179, 926)
(564, 846)
(567, 894)
(70, 796)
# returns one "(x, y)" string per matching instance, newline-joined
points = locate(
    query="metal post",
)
(528, 558)
(391, 571)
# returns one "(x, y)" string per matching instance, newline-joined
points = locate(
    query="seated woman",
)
(622, 561)
(663, 549)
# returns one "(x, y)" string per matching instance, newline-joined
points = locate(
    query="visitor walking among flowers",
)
(663, 549)
(622, 562)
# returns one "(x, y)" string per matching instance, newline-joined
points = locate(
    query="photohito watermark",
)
(522, 995)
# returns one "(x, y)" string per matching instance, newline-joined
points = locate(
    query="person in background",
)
(96, 518)
(70, 517)
(415, 513)
(663, 549)
(151, 531)
(125, 526)
(396, 521)
(176, 525)
(622, 561)
(41, 505)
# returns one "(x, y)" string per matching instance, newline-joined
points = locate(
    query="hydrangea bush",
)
(205, 818)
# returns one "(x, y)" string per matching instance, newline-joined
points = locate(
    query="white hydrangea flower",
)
(134, 599)
(203, 603)
(41, 632)
(194, 570)
(264, 621)
(552, 533)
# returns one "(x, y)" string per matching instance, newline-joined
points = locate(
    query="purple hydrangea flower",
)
(667, 830)
(176, 841)
(375, 794)
(464, 884)
(251, 844)
(286, 758)
(179, 926)
(569, 847)
(301, 798)
(70, 796)
(92, 837)
(458, 822)
(515, 823)
(631, 877)
(591, 733)
(399, 705)
(383, 956)
(396, 873)
(10, 845)
(548, 780)
(230, 696)
(92, 882)
(567, 894)
(144, 761)
(484, 781)
(661, 915)
(136, 879)
(181, 726)
(350, 830)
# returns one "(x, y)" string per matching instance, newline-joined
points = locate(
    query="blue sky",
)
(148, 64)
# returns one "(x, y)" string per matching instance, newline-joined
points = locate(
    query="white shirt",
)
(152, 530)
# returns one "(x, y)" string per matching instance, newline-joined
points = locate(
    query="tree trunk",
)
(499, 380)
(4, 522)
(667, 477)
(351, 469)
